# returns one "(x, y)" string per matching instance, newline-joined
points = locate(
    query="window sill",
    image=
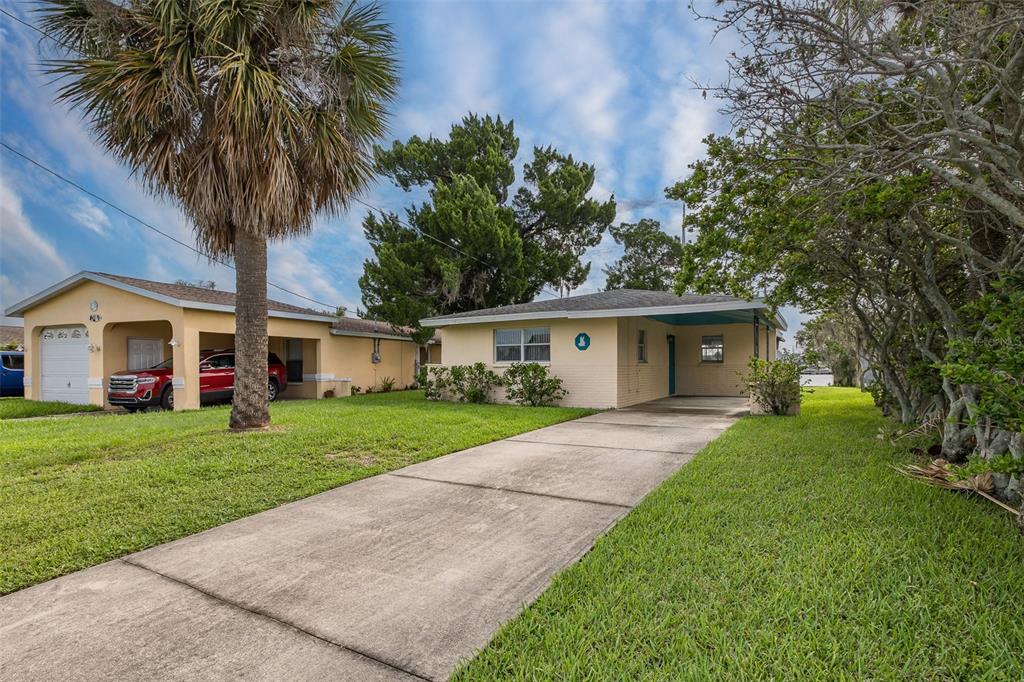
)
(523, 362)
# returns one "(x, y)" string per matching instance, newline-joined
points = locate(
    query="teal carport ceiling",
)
(714, 317)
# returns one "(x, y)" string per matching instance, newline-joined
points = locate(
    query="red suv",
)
(137, 390)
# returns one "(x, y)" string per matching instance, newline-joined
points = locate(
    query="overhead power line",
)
(117, 208)
(142, 222)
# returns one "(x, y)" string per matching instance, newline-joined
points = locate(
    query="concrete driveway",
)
(396, 577)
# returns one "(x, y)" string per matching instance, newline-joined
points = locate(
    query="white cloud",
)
(21, 243)
(571, 70)
(90, 216)
(603, 82)
(689, 117)
(291, 268)
(29, 261)
(463, 60)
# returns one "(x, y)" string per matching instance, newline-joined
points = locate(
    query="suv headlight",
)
(146, 380)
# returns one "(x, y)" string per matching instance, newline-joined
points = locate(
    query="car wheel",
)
(167, 399)
(272, 390)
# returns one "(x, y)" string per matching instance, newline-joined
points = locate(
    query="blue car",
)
(12, 373)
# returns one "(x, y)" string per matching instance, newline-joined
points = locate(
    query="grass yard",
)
(78, 491)
(788, 549)
(19, 408)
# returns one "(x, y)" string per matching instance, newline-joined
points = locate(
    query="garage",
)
(64, 366)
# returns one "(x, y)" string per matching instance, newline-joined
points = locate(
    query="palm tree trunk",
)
(249, 408)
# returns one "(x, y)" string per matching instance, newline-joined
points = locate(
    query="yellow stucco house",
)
(81, 330)
(622, 347)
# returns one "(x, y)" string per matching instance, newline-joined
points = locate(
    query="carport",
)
(84, 329)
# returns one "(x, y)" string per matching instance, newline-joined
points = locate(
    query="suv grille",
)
(123, 384)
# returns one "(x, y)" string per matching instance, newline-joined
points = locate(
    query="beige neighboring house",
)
(12, 336)
(622, 347)
(81, 330)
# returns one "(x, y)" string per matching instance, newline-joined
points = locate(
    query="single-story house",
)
(621, 347)
(81, 330)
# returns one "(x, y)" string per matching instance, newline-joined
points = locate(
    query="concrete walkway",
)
(396, 577)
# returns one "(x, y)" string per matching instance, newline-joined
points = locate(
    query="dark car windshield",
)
(166, 364)
(14, 361)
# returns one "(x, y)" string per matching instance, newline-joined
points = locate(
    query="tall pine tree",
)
(650, 260)
(473, 244)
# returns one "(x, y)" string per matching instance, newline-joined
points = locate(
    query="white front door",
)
(144, 353)
(64, 364)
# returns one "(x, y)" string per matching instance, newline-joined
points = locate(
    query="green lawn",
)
(788, 549)
(77, 491)
(19, 408)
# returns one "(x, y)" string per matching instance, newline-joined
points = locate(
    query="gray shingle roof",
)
(616, 299)
(184, 292)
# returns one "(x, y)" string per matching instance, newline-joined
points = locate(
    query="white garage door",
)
(64, 364)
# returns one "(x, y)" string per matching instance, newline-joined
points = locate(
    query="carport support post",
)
(186, 367)
(319, 385)
(757, 338)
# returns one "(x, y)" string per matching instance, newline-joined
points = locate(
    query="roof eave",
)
(369, 335)
(644, 311)
(18, 309)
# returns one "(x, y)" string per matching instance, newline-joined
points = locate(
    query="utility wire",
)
(115, 206)
(357, 200)
(36, 29)
(142, 222)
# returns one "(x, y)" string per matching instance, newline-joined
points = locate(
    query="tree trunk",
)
(249, 407)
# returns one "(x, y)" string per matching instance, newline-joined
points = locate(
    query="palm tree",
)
(254, 116)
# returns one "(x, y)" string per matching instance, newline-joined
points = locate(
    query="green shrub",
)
(529, 383)
(434, 381)
(387, 384)
(1000, 464)
(774, 385)
(472, 383)
(464, 383)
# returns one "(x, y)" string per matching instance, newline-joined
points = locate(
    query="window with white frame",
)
(531, 344)
(712, 349)
(641, 345)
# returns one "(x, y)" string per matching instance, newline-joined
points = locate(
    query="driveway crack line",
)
(263, 614)
(605, 447)
(652, 426)
(481, 486)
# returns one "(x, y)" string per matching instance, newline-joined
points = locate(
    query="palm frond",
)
(253, 115)
(939, 474)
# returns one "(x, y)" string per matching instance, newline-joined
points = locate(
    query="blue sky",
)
(610, 83)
